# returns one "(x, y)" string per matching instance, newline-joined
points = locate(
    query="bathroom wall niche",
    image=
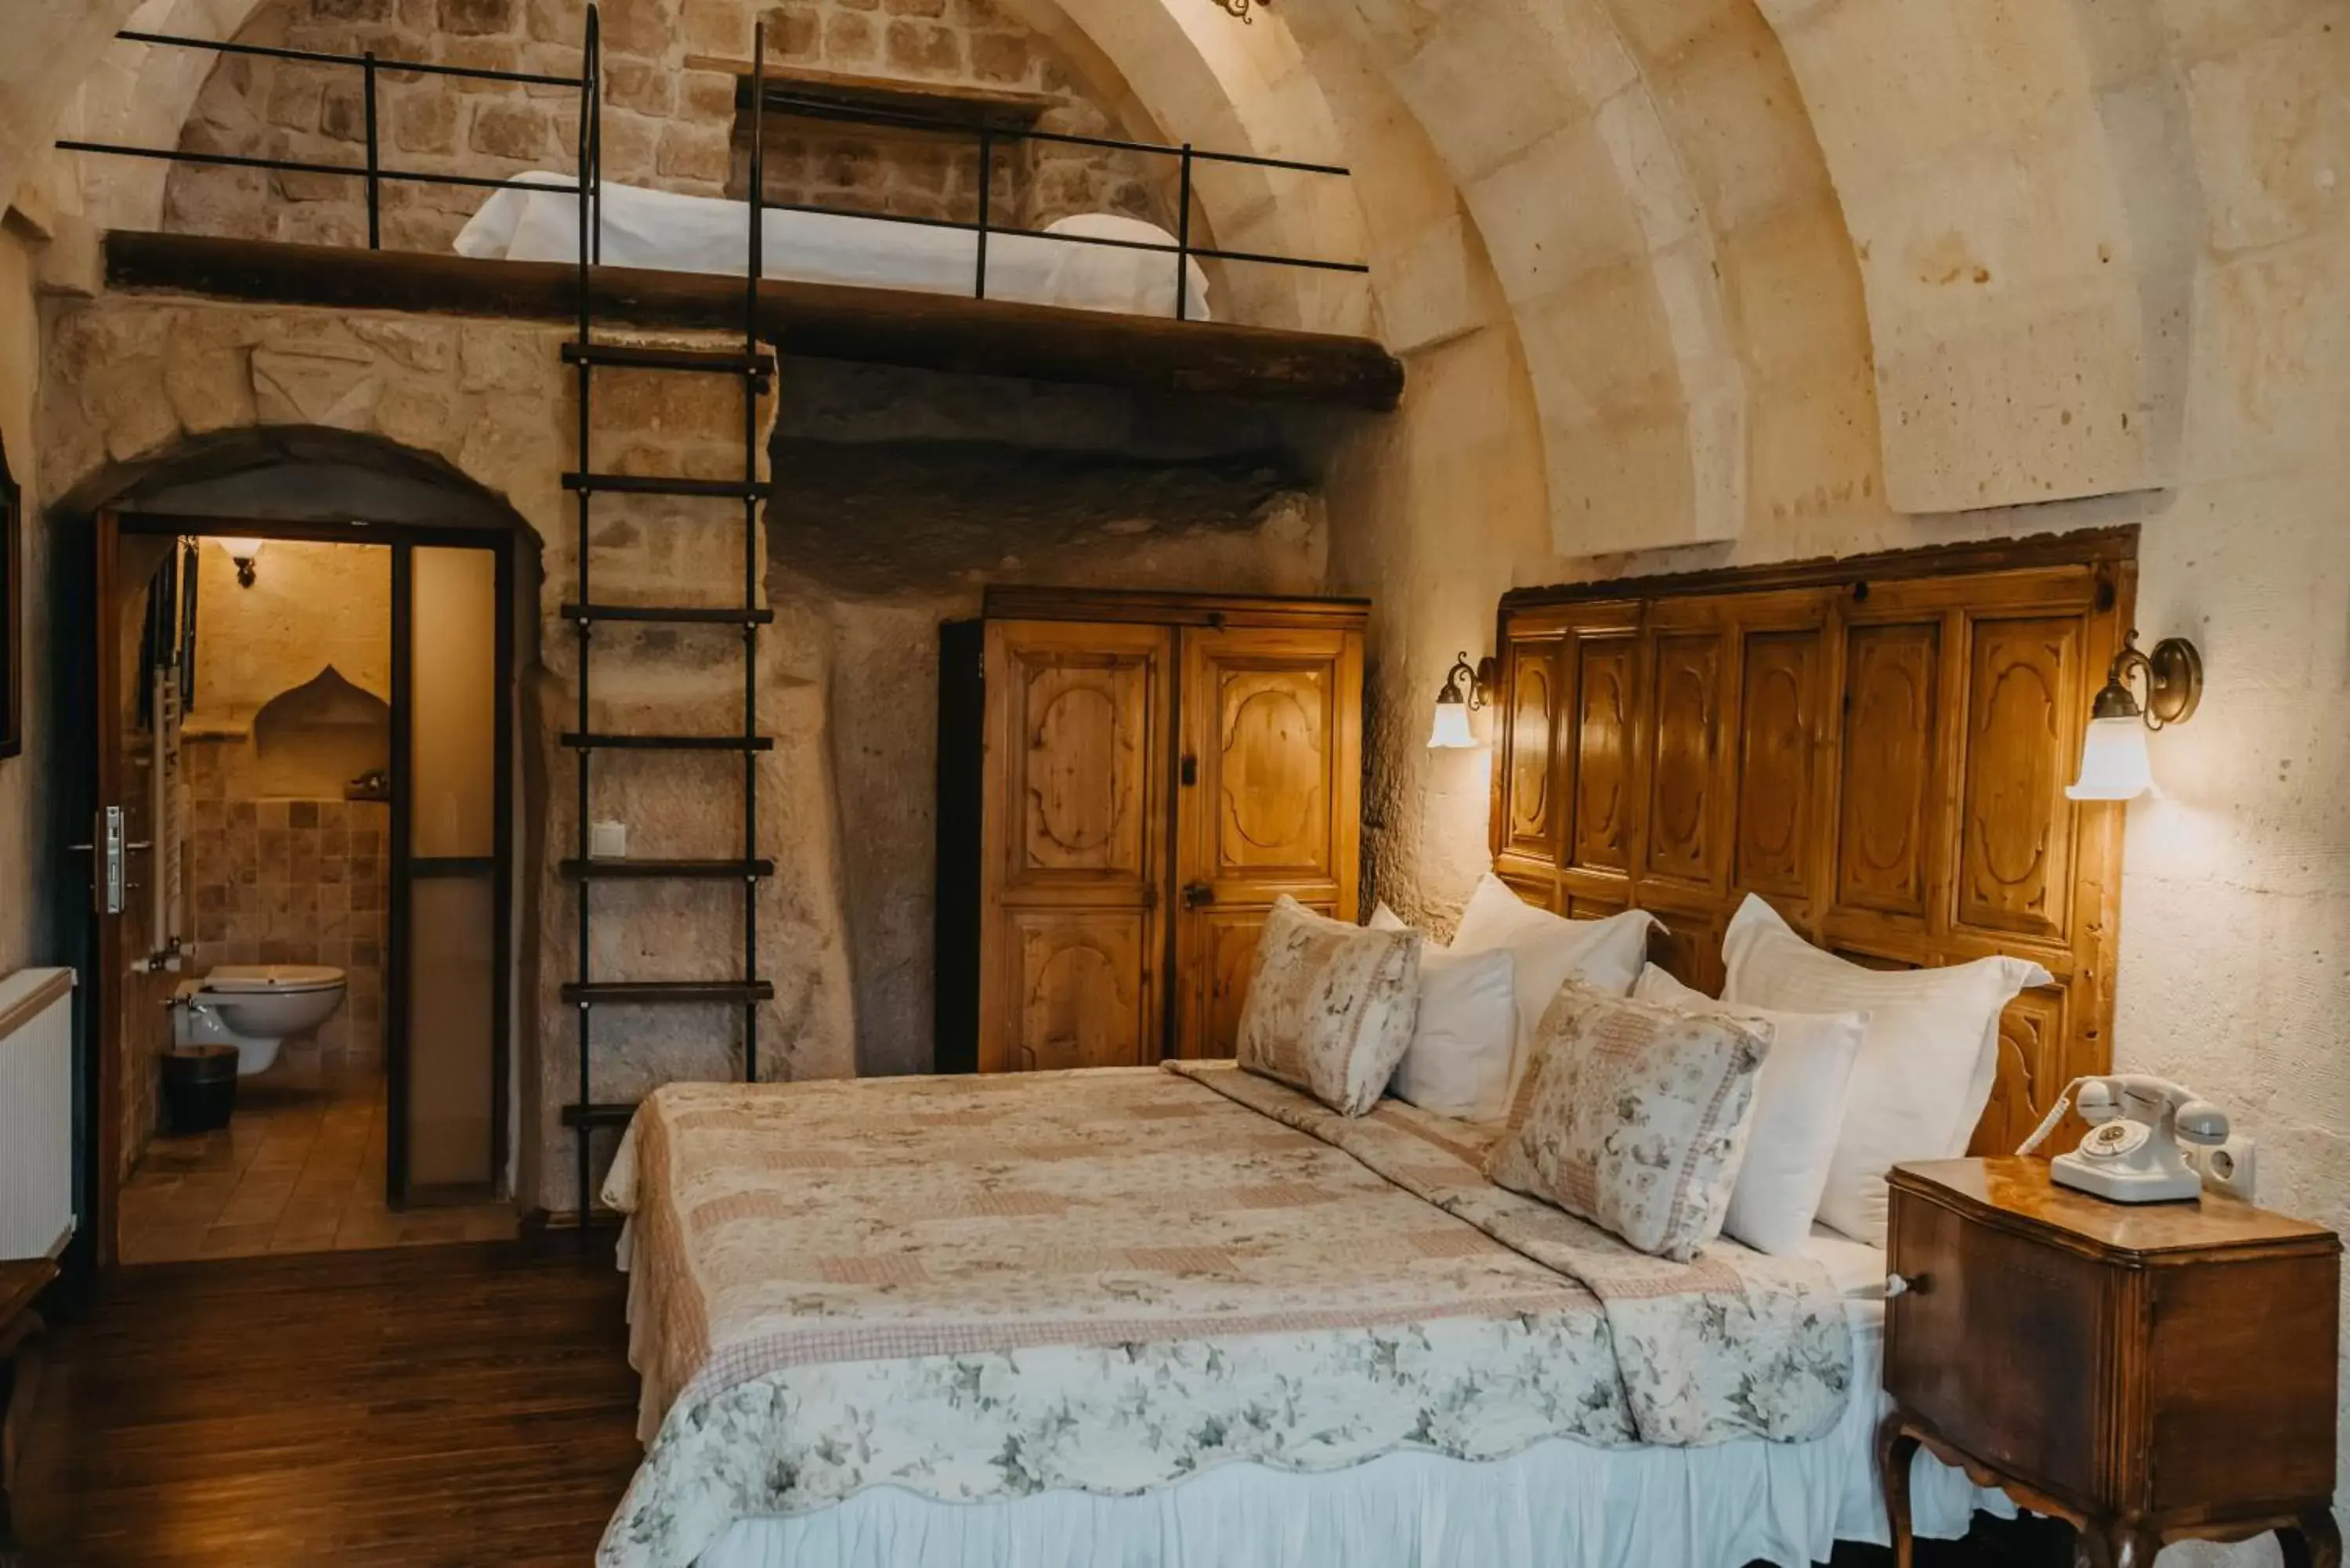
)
(314, 740)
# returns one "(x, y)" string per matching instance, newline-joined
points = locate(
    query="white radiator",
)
(36, 1113)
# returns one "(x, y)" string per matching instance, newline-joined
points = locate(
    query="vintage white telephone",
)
(2131, 1155)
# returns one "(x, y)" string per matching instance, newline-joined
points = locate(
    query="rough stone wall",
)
(131, 380)
(666, 126)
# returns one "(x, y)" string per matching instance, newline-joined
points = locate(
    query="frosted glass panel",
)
(452, 773)
(452, 905)
(451, 999)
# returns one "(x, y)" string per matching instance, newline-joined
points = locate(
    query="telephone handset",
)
(2131, 1155)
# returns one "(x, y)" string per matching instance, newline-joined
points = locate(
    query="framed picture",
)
(12, 612)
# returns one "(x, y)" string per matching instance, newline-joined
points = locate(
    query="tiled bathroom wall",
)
(290, 881)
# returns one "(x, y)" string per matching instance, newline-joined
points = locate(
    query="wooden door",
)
(1267, 801)
(1072, 879)
(133, 1025)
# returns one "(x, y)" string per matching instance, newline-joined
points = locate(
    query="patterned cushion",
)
(1633, 1116)
(1330, 1007)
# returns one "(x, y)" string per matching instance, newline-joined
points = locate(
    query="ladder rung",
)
(621, 870)
(598, 1115)
(675, 615)
(633, 357)
(661, 993)
(598, 741)
(657, 484)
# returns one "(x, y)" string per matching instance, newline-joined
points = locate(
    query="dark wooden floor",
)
(469, 1407)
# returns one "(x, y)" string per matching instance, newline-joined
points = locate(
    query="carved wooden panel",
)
(1083, 988)
(1079, 764)
(1685, 705)
(1271, 738)
(2022, 736)
(1529, 767)
(1779, 711)
(1879, 747)
(1073, 871)
(2031, 1072)
(1267, 767)
(1600, 836)
(1891, 675)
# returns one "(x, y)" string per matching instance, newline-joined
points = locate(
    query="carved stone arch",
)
(1600, 245)
(2018, 186)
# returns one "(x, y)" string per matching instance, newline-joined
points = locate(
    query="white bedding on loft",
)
(1559, 1504)
(666, 232)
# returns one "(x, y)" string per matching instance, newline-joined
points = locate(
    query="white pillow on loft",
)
(1927, 1058)
(1799, 1100)
(1113, 277)
(1458, 1063)
(1547, 951)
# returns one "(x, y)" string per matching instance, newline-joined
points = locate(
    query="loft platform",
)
(901, 327)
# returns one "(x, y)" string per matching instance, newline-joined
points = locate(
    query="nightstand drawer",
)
(2003, 1343)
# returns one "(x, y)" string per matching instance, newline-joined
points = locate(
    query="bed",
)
(664, 230)
(1188, 1316)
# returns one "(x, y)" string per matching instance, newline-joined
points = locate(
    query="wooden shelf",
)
(959, 105)
(919, 331)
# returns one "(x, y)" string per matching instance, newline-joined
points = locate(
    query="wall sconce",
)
(1453, 707)
(2113, 764)
(244, 553)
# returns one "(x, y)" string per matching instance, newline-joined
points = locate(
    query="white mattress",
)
(668, 232)
(1558, 1504)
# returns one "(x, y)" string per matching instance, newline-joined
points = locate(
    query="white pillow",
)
(1926, 1057)
(1798, 1112)
(1549, 951)
(1458, 1063)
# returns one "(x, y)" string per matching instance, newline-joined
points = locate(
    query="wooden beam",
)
(2086, 547)
(826, 321)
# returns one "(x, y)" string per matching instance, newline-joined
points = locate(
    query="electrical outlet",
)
(2230, 1168)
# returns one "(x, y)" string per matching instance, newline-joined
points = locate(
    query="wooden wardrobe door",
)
(1071, 892)
(1267, 803)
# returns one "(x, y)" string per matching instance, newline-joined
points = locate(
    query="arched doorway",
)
(331, 801)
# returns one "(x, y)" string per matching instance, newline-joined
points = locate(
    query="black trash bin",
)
(199, 1086)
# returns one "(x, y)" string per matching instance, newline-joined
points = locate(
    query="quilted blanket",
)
(1110, 1280)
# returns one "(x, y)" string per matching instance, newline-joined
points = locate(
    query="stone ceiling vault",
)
(1757, 255)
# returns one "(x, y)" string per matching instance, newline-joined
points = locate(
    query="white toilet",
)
(254, 1007)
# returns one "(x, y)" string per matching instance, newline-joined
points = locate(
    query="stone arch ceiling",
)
(1761, 257)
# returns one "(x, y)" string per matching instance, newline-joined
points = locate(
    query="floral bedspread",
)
(1110, 1280)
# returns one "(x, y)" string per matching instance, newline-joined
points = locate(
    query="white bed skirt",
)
(1557, 1505)
(672, 233)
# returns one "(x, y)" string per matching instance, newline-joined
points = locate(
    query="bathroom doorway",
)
(302, 853)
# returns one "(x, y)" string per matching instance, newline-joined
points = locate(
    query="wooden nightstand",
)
(2152, 1373)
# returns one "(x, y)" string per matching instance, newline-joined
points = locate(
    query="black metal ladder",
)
(755, 367)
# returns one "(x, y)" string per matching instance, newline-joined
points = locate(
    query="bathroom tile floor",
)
(299, 1168)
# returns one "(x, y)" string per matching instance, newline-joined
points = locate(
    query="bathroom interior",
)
(267, 723)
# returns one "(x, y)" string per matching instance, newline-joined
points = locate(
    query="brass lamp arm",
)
(2172, 675)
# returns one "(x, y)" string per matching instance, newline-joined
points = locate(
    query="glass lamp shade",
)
(2113, 764)
(238, 549)
(1451, 730)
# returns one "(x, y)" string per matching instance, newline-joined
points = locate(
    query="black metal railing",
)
(371, 67)
(989, 136)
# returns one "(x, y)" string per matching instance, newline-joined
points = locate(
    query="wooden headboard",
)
(1878, 745)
